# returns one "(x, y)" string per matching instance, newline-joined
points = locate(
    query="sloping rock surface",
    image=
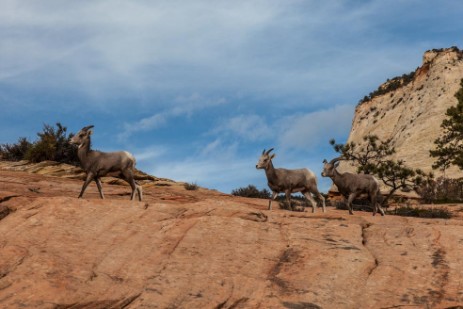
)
(411, 115)
(205, 249)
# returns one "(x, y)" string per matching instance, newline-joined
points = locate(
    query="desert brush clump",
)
(297, 202)
(190, 186)
(52, 145)
(252, 192)
(433, 213)
(442, 190)
(15, 152)
(390, 85)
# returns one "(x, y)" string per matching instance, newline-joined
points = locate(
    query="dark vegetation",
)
(419, 212)
(390, 85)
(373, 157)
(251, 191)
(297, 202)
(449, 146)
(400, 81)
(442, 191)
(191, 186)
(439, 50)
(52, 144)
(449, 152)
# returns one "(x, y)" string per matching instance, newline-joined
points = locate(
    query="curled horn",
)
(87, 128)
(269, 151)
(335, 160)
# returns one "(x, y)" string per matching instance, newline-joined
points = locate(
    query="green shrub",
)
(251, 191)
(442, 191)
(191, 186)
(390, 85)
(358, 205)
(297, 201)
(15, 152)
(418, 212)
(52, 144)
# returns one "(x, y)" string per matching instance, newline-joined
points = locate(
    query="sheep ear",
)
(272, 156)
(324, 161)
(336, 164)
(89, 132)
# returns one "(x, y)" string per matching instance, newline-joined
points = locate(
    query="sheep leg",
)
(128, 176)
(100, 189)
(288, 199)
(380, 209)
(311, 200)
(376, 205)
(322, 199)
(274, 196)
(140, 193)
(132, 182)
(86, 182)
(351, 198)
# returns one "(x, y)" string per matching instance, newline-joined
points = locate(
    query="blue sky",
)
(197, 89)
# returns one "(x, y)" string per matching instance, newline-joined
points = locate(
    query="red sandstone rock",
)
(204, 249)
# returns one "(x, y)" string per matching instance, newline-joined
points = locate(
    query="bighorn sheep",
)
(352, 185)
(289, 181)
(97, 164)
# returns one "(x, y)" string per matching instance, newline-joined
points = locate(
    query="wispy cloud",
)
(150, 153)
(183, 107)
(310, 129)
(247, 127)
(108, 49)
(216, 173)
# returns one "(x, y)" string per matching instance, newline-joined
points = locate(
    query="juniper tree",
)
(367, 156)
(373, 157)
(449, 146)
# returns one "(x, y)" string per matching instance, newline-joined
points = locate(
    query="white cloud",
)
(260, 48)
(311, 129)
(247, 127)
(145, 155)
(225, 149)
(184, 106)
(215, 173)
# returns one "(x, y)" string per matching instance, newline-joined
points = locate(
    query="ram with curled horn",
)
(97, 164)
(289, 181)
(353, 185)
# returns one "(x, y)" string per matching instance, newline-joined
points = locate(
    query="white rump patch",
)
(129, 155)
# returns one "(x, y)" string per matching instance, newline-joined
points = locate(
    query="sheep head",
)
(265, 159)
(329, 167)
(82, 136)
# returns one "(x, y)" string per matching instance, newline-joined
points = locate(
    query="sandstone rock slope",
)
(412, 114)
(205, 249)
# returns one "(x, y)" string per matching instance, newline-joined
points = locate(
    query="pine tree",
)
(449, 146)
(373, 157)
